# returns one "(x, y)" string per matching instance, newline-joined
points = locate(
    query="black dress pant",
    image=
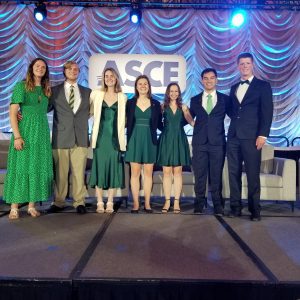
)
(239, 151)
(208, 162)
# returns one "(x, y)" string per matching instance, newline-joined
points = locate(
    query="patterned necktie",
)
(71, 97)
(209, 104)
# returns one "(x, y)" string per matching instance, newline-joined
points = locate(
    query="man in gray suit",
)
(70, 102)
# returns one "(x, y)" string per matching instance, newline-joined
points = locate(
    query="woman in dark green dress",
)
(29, 175)
(143, 119)
(173, 147)
(108, 139)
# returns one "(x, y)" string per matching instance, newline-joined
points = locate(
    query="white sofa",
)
(277, 178)
(122, 193)
(188, 182)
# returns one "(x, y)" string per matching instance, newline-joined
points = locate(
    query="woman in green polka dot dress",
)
(29, 169)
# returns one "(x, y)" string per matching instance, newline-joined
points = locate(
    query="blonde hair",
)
(68, 65)
(118, 88)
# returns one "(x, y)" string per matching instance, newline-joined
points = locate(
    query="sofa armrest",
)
(286, 168)
(225, 181)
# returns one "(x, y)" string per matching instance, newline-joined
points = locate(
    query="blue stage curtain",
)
(204, 37)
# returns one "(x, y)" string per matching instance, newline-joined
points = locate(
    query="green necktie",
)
(72, 97)
(209, 105)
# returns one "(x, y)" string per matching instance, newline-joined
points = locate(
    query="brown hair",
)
(149, 94)
(245, 55)
(118, 88)
(167, 99)
(45, 82)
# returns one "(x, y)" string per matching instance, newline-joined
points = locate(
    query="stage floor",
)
(150, 256)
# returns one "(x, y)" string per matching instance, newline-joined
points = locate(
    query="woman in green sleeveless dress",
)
(173, 147)
(29, 175)
(143, 119)
(108, 139)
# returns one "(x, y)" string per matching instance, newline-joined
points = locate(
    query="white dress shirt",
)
(77, 100)
(242, 89)
(204, 98)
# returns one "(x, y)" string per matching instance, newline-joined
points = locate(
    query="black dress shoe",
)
(255, 217)
(54, 209)
(148, 210)
(198, 211)
(218, 212)
(81, 209)
(234, 214)
(134, 211)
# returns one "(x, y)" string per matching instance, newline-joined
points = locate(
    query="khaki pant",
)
(64, 159)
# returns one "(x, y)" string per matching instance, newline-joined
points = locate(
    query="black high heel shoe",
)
(177, 209)
(166, 207)
(148, 210)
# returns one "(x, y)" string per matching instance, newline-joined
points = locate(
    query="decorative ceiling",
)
(183, 4)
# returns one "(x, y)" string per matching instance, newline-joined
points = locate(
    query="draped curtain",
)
(204, 37)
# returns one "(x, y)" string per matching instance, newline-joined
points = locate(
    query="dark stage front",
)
(151, 256)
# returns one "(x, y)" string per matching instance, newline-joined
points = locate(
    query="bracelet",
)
(18, 138)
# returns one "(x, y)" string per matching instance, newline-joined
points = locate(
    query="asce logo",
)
(161, 70)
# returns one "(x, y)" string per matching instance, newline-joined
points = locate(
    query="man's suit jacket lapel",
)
(251, 88)
(215, 107)
(219, 101)
(200, 102)
(82, 96)
(235, 88)
(62, 97)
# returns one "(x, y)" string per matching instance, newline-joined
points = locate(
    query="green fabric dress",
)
(108, 167)
(29, 175)
(173, 147)
(140, 147)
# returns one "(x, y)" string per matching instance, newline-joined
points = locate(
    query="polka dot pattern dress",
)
(29, 175)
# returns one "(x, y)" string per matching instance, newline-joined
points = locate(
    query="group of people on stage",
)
(29, 176)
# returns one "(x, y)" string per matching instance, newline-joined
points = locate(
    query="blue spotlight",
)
(135, 15)
(40, 12)
(238, 18)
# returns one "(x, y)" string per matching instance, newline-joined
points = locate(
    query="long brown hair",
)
(118, 88)
(45, 82)
(167, 99)
(149, 94)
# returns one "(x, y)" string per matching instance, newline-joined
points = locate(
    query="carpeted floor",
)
(152, 246)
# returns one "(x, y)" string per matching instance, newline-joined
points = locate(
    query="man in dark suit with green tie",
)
(251, 113)
(209, 109)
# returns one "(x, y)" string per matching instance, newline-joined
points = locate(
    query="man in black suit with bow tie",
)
(209, 108)
(251, 113)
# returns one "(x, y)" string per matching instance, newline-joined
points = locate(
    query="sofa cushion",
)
(4, 146)
(157, 177)
(187, 177)
(267, 160)
(266, 180)
(2, 175)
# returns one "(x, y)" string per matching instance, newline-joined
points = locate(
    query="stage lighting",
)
(40, 12)
(238, 18)
(135, 15)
